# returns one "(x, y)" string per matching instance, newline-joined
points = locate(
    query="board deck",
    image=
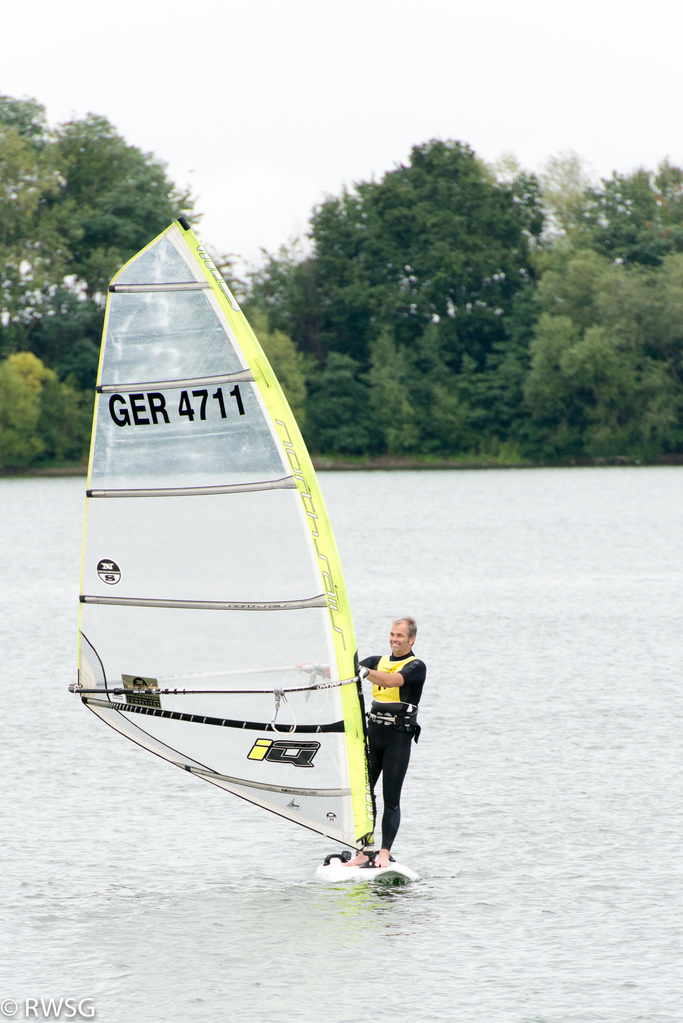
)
(338, 871)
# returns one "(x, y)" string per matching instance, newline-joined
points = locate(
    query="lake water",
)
(542, 809)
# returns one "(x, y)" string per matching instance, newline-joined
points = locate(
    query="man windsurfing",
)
(397, 681)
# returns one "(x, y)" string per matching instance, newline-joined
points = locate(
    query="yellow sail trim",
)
(318, 523)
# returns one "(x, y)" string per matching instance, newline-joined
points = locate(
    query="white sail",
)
(209, 566)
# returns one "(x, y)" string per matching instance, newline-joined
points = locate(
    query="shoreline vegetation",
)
(385, 463)
(452, 314)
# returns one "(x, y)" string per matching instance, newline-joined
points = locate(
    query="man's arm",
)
(412, 673)
(387, 679)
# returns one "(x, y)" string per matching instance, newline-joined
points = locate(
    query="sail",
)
(215, 627)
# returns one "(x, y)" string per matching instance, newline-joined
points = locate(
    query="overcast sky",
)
(264, 106)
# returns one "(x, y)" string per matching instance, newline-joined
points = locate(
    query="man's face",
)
(399, 640)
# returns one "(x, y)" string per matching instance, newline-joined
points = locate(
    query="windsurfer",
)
(397, 682)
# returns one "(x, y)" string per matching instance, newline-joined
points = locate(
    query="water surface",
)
(542, 807)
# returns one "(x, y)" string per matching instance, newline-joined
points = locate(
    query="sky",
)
(265, 107)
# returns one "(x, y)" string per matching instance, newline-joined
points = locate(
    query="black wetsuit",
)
(390, 748)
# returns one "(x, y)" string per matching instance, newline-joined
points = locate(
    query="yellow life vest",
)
(381, 693)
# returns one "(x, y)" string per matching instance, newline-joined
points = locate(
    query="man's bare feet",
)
(357, 861)
(382, 858)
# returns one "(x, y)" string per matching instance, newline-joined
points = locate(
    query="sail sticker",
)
(137, 682)
(108, 571)
(299, 754)
(217, 276)
(150, 407)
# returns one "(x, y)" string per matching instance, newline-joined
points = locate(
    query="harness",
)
(402, 717)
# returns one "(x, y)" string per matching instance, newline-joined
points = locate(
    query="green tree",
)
(33, 253)
(75, 204)
(289, 365)
(339, 418)
(68, 334)
(433, 256)
(121, 197)
(606, 375)
(21, 378)
(577, 288)
(285, 288)
(435, 238)
(41, 418)
(637, 217)
(597, 396)
(389, 378)
(564, 180)
(25, 116)
(65, 421)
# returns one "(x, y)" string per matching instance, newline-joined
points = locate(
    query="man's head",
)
(402, 636)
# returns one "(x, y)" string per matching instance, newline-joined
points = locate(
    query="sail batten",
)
(133, 289)
(207, 605)
(286, 483)
(277, 788)
(224, 378)
(189, 408)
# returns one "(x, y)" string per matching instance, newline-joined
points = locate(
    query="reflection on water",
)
(541, 809)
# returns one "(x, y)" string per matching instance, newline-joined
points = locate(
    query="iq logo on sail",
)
(299, 754)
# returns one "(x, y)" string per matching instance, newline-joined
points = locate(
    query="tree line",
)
(450, 309)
